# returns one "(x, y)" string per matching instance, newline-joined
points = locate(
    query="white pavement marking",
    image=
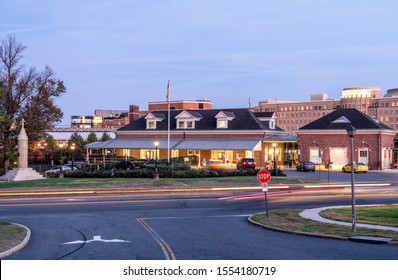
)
(96, 238)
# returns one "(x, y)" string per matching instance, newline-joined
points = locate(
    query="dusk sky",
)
(111, 54)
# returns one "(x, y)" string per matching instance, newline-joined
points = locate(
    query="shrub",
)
(180, 171)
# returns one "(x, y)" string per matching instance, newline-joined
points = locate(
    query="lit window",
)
(221, 123)
(151, 125)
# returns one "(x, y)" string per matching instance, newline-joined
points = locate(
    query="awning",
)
(131, 144)
(191, 144)
(220, 144)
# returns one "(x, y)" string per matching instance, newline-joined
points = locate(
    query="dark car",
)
(305, 166)
(246, 163)
(126, 165)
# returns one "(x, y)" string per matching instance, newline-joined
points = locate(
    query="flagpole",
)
(168, 121)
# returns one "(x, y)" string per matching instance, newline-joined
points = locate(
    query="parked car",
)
(358, 167)
(218, 164)
(305, 166)
(246, 163)
(57, 169)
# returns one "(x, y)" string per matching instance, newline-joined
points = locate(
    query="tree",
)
(92, 137)
(24, 94)
(105, 137)
(77, 142)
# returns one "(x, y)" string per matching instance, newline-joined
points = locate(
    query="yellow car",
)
(358, 167)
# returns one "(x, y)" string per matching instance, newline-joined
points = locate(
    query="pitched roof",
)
(343, 118)
(244, 120)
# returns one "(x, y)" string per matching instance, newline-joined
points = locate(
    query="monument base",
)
(21, 174)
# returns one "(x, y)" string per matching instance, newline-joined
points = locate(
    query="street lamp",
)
(61, 174)
(351, 131)
(274, 145)
(73, 147)
(156, 143)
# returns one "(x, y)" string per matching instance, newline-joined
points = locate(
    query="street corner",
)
(16, 248)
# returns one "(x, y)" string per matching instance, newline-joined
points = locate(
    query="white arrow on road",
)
(96, 238)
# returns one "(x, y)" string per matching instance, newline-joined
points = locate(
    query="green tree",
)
(105, 136)
(76, 145)
(92, 137)
(24, 94)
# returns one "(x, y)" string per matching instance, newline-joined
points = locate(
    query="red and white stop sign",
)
(263, 176)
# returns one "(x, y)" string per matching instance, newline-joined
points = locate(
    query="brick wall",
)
(374, 142)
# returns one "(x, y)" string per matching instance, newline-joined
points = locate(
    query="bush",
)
(164, 172)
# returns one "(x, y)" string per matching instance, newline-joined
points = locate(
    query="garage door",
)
(338, 156)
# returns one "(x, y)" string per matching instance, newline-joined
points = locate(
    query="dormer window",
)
(152, 119)
(222, 123)
(151, 124)
(223, 118)
(267, 118)
(186, 120)
(272, 123)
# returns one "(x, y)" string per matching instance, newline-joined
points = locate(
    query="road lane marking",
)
(168, 252)
(96, 238)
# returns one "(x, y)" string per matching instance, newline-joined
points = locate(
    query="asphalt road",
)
(187, 227)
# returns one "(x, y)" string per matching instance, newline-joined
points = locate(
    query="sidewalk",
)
(313, 214)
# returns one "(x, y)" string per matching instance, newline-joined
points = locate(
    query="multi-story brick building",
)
(292, 115)
(203, 104)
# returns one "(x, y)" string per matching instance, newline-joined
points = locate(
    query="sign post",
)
(263, 176)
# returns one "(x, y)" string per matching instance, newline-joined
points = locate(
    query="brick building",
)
(326, 140)
(222, 134)
(292, 115)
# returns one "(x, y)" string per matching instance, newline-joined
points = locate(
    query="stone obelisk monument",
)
(23, 172)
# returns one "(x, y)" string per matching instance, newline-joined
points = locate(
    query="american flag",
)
(168, 91)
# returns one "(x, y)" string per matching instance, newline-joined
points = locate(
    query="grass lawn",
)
(10, 235)
(290, 220)
(386, 215)
(54, 183)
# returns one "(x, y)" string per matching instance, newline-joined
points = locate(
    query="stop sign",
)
(263, 176)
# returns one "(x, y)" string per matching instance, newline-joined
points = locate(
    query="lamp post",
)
(276, 172)
(61, 174)
(351, 131)
(156, 143)
(73, 147)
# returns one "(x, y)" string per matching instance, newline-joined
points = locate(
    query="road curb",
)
(317, 235)
(18, 247)
(295, 232)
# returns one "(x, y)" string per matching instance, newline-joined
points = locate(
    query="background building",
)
(291, 115)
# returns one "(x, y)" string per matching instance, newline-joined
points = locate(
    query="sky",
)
(116, 53)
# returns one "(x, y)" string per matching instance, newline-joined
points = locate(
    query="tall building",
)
(291, 115)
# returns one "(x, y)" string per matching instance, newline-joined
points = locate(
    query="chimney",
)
(134, 113)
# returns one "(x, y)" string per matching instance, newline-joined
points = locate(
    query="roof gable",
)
(188, 115)
(342, 118)
(155, 116)
(225, 115)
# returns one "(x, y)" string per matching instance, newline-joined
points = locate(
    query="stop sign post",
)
(264, 176)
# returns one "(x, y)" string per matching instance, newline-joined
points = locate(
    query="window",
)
(185, 125)
(181, 124)
(151, 125)
(222, 124)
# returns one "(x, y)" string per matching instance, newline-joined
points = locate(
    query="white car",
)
(57, 169)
